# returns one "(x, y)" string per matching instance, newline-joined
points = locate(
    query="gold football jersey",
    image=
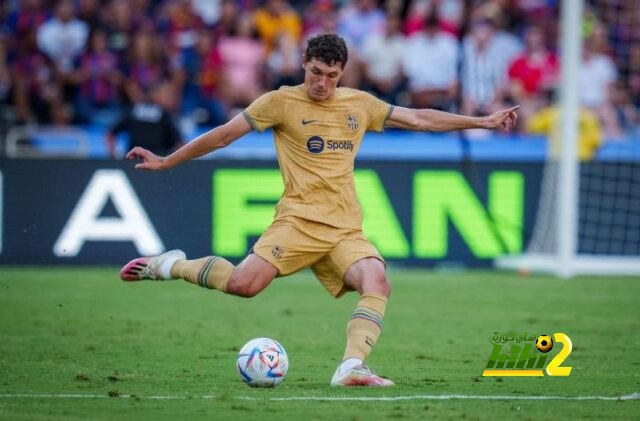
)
(316, 143)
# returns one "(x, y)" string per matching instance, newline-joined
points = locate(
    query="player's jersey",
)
(316, 143)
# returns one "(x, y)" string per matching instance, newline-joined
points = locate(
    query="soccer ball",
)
(544, 343)
(262, 362)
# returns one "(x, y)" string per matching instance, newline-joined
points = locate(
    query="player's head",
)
(323, 64)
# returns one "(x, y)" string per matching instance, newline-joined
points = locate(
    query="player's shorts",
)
(291, 244)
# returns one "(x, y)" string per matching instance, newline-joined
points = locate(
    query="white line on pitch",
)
(632, 396)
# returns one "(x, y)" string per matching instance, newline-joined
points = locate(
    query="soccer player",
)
(318, 128)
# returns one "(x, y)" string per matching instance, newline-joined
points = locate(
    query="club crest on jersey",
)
(276, 252)
(352, 122)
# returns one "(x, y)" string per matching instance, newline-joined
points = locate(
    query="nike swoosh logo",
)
(305, 122)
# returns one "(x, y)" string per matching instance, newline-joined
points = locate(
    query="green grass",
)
(82, 331)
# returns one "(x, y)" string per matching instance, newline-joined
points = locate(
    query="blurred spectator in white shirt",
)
(381, 57)
(431, 65)
(596, 78)
(63, 38)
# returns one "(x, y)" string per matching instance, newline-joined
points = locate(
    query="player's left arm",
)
(440, 121)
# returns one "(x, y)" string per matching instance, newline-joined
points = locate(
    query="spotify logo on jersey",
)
(315, 144)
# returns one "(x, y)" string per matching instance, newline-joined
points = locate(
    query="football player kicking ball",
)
(318, 128)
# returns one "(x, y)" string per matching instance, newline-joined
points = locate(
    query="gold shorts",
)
(292, 244)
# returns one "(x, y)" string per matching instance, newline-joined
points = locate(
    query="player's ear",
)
(304, 62)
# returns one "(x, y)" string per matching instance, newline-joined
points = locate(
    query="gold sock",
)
(209, 272)
(365, 326)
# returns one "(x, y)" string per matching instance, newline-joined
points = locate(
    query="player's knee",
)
(385, 287)
(381, 286)
(244, 286)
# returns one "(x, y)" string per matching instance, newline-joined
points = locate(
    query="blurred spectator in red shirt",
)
(98, 78)
(449, 12)
(534, 71)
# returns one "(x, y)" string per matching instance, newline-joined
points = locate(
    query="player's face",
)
(320, 79)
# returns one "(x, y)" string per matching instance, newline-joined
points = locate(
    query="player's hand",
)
(504, 118)
(150, 161)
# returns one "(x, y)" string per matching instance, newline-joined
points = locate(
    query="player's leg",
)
(367, 277)
(355, 264)
(247, 279)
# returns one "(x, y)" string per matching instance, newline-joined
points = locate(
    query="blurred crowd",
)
(86, 61)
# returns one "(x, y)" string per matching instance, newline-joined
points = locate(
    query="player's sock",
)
(349, 363)
(364, 327)
(209, 272)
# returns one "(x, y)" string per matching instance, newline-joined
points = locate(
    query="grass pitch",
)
(82, 332)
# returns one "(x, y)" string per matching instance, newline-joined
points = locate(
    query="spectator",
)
(359, 20)
(182, 24)
(208, 10)
(545, 120)
(449, 12)
(38, 96)
(99, 79)
(244, 58)
(596, 78)
(29, 15)
(63, 38)
(201, 91)
(89, 12)
(283, 63)
(382, 57)
(275, 18)
(313, 16)
(432, 86)
(146, 66)
(634, 74)
(5, 75)
(534, 71)
(120, 28)
(483, 75)
(227, 20)
(148, 124)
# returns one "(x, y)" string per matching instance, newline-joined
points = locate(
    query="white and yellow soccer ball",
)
(262, 362)
(544, 343)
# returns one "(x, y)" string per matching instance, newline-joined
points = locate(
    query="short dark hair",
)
(328, 48)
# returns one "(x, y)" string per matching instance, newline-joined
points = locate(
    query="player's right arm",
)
(214, 139)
